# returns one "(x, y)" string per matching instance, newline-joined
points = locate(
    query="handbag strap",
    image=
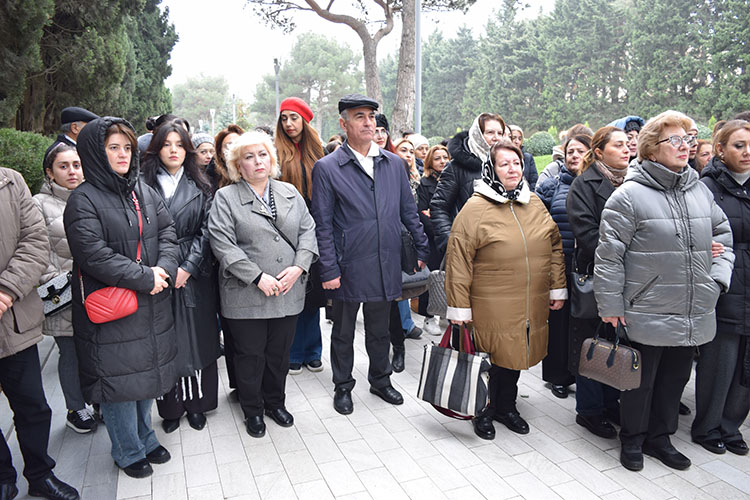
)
(458, 338)
(137, 252)
(281, 233)
(575, 264)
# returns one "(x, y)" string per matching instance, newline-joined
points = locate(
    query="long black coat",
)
(455, 187)
(585, 203)
(195, 305)
(132, 358)
(425, 192)
(733, 308)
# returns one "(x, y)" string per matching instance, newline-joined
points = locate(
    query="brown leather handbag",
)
(616, 365)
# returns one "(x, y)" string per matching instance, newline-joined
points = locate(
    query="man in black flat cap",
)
(361, 196)
(73, 120)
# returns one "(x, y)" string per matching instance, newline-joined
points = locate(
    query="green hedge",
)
(539, 144)
(24, 152)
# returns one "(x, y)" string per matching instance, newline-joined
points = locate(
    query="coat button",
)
(276, 238)
(279, 259)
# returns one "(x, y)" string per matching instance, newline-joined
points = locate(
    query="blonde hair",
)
(652, 130)
(250, 139)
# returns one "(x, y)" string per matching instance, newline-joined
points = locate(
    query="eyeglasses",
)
(676, 140)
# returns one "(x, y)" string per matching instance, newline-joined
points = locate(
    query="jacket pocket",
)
(643, 290)
(28, 313)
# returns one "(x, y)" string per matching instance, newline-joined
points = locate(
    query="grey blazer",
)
(245, 243)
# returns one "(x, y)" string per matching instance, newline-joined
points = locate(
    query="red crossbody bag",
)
(113, 302)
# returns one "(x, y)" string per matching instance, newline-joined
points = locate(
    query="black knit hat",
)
(382, 121)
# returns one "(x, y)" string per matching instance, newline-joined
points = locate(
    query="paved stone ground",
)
(381, 451)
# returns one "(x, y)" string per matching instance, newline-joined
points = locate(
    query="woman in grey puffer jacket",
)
(655, 273)
(62, 167)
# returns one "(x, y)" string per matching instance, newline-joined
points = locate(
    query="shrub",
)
(432, 141)
(539, 144)
(24, 153)
(704, 132)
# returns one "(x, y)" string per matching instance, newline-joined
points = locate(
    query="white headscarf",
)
(477, 145)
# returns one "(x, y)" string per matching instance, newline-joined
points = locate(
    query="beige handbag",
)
(615, 365)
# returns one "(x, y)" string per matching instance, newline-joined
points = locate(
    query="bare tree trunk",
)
(372, 79)
(403, 108)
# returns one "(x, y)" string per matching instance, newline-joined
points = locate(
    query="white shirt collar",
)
(367, 161)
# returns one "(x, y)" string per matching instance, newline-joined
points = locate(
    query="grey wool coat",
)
(653, 263)
(246, 244)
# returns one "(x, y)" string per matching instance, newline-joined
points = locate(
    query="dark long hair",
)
(152, 162)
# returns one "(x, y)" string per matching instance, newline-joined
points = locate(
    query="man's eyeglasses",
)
(676, 140)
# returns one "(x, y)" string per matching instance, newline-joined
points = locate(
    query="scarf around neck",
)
(614, 175)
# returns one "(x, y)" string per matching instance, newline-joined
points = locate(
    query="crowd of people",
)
(178, 247)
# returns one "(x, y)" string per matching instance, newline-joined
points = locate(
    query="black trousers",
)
(395, 330)
(226, 331)
(503, 390)
(262, 361)
(190, 396)
(376, 343)
(555, 364)
(650, 413)
(21, 379)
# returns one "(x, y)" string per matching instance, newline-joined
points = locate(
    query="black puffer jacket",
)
(455, 187)
(733, 308)
(132, 358)
(425, 192)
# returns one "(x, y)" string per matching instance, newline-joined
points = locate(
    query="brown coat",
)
(503, 263)
(24, 254)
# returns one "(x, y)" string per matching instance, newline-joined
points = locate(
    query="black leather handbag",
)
(582, 300)
(408, 252)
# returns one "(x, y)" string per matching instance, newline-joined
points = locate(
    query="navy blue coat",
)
(358, 224)
(554, 194)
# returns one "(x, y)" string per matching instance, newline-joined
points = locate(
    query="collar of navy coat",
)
(345, 155)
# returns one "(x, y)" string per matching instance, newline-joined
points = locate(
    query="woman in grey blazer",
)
(264, 239)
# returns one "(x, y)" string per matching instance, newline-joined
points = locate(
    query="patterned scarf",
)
(489, 177)
(614, 175)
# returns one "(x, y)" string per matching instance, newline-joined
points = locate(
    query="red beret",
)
(298, 106)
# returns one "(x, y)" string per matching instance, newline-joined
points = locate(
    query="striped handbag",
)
(455, 381)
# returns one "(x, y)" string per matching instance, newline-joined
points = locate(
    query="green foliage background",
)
(24, 152)
(109, 56)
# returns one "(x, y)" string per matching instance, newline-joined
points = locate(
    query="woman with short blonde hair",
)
(264, 239)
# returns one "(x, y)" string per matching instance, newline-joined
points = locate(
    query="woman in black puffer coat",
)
(554, 193)
(126, 363)
(468, 151)
(722, 383)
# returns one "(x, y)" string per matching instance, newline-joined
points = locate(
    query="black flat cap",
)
(76, 114)
(350, 101)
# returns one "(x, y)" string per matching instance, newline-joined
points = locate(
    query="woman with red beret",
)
(298, 147)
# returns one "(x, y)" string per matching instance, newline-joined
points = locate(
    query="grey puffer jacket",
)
(51, 200)
(653, 263)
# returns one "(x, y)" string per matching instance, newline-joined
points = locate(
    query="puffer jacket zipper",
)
(528, 283)
(642, 290)
(687, 245)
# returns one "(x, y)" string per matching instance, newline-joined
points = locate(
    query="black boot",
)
(398, 359)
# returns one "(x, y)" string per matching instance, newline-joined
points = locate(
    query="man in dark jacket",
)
(73, 120)
(361, 195)
(24, 254)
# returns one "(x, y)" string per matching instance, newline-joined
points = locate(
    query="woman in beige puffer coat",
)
(63, 170)
(504, 271)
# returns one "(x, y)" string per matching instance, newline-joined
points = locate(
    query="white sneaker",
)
(432, 326)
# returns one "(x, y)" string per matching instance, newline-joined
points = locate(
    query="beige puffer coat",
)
(51, 201)
(504, 263)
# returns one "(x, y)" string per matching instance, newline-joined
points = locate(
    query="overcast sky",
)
(225, 37)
